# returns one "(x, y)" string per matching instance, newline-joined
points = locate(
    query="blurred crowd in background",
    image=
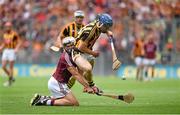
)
(39, 22)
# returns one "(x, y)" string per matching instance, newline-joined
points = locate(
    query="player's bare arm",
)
(132, 52)
(2, 47)
(58, 42)
(83, 47)
(80, 78)
(18, 45)
(109, 33)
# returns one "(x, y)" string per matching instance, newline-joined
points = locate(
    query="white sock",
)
(48, 102)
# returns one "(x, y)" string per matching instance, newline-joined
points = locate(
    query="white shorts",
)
(149, 61)
(8, 55)
(138, 61)
(88, 57)
(58, 90)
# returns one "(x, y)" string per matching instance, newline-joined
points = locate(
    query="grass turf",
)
(158, 96)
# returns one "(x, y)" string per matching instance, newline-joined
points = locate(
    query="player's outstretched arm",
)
(58, 42)
(63, 33)
(20, 42)
(83, 47)
(57, 45)
(80, 78)
(109, 33)
(1, 47)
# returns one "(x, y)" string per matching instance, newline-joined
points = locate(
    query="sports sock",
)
(88, 77)
(71, 82)
(91, 83)
(146, 73)
(50, 102)
(10, 78)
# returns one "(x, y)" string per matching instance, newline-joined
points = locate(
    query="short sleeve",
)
(68, 60)
(84, 36)
(64, 32)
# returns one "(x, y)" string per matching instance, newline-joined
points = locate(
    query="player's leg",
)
(139, 64)
(152, 71)
(88, 75)
(137, 73)
(136, 60)
(11, 70)
(61, 95)
(146, 68)
(9, 73)
(5, 61)
(68, 100)
(153, 62)
(82, 64)
(85, 63)
(4, 67)
(12, 58)
(141, 72)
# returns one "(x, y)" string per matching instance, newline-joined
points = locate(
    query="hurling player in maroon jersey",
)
(150, 49)
(57, 84)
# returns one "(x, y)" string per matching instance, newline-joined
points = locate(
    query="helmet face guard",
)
(79, 17)
(68, 44)
(105, 20)
(68, 41)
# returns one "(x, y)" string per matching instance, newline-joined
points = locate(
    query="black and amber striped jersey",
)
(71, 29)
(10, 39)
(138, 49)
(88, 34)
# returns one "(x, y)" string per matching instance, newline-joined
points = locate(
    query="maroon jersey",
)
(62, 74)
(150, 50)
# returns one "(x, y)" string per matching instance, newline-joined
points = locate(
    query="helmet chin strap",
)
(68, 51)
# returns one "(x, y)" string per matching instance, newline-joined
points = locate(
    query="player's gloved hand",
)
(88, 90)
(95, 53)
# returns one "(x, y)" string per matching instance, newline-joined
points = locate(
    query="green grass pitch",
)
(158, 96)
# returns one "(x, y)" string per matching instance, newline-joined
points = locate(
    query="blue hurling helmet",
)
(105, 19)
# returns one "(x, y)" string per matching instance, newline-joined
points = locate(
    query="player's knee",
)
(88, 74)
(88, 68)
(75, 103)
(3, 67)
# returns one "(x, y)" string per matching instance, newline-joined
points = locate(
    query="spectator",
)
(35, 19)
